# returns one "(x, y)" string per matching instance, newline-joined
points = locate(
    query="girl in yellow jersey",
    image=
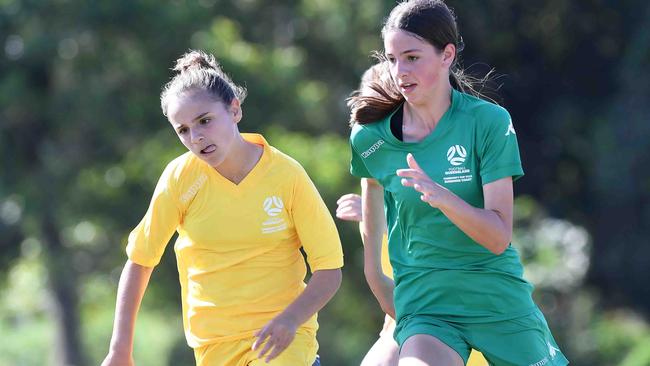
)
(385, 351)
(242, 210)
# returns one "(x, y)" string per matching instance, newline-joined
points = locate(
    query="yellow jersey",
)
(238, 246)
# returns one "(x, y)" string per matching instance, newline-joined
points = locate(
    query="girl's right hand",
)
(349, 207)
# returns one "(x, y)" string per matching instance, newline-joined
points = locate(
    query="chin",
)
(213, 161)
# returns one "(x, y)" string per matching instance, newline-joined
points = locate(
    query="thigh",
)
(444, 332)
(427, 350)
(383, 353)
(301, 352)
(525, 340)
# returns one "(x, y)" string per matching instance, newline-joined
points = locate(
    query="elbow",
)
(499, 245)
(372, 274)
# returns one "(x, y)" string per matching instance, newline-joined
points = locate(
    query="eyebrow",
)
(179, 125)
(200, 116)
(408, 51)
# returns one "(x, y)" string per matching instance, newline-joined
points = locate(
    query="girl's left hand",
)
(276, 336)
(432, 193)
(349, 207)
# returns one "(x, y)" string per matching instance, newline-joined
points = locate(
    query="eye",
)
(390, 59)
(181, 130)
(412, 58)
(204, 121)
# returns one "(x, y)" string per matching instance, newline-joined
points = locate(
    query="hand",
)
(349, 208)
(118, 359)
(276, 336)
(432, 193)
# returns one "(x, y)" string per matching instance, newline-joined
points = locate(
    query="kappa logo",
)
(511, 128)
(552, 351)
(194, 189)
(456, 155)
(273, 207)
(372, 148)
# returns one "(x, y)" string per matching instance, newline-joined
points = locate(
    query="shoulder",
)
(483, 111)
(285, 164)
(363, 135)
(181, 165)
(486, 117)
(185, 170)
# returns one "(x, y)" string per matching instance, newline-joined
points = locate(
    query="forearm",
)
(373, 226)
(488, 227)
(131, 288)
(322, 286)
(372, 229)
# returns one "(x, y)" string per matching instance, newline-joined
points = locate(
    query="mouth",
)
(209, 149)
(407, 87)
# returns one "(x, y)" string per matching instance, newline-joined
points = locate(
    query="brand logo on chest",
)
(273, 206)
(457, 155)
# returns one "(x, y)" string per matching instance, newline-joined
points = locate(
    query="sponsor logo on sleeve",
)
(194, 189)
(372, 148)
(273, 206)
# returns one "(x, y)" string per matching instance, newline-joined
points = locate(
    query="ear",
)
(235, 109)
(448, 54)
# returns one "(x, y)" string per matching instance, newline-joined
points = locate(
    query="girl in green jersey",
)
(439, 164)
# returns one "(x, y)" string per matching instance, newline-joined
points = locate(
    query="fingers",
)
(272, 339)
(261, 337)
(349, 207)
(274, 345)
(410, 160)
(349, 197)
(278, 348)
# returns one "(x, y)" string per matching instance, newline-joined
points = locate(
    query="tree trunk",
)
(63, 284)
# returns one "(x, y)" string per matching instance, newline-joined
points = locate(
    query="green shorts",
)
(523, 341)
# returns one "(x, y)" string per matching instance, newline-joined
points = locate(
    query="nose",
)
(195, 136)
(401, 69)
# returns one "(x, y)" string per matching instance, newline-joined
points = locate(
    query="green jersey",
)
(438, 270)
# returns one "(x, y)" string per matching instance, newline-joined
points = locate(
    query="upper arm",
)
(372, 204)
(315, 226)
(147, 241)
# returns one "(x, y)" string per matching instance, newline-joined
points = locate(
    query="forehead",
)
(184, 107)
(397, 41)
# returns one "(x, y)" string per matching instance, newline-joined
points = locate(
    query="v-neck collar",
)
(442, 126)
(254, 175)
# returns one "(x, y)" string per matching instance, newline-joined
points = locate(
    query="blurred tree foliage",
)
(83, 141)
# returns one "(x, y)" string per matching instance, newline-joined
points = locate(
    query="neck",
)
(240, 161)
(424, 117)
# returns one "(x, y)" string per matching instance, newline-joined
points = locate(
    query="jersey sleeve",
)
(147, 241)
(357, 166)
(315, 226)
(498, 148)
